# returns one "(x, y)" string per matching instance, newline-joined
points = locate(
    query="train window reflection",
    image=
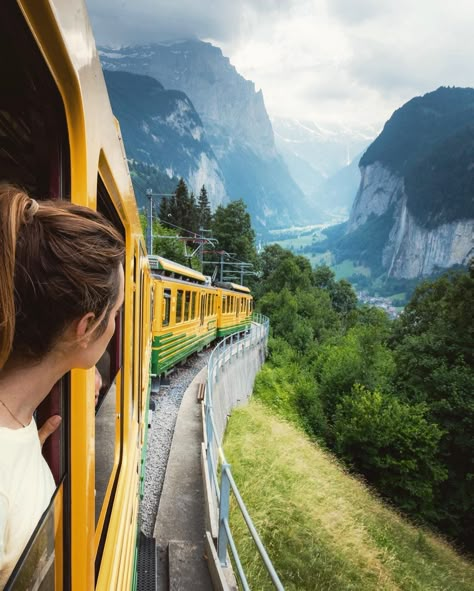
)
(105, 433)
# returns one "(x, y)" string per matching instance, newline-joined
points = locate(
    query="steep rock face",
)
(411, 250)
(414, 211)
(221, 96)
(235, 123)
(414, 251)
(378, 189)
(161, 127)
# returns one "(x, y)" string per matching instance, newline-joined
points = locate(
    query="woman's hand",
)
(49, 427)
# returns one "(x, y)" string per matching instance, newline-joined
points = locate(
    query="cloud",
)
(145, 21)
(356, 11)
(327, 59)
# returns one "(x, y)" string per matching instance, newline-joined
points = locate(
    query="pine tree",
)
(204, 209)
(164, 210)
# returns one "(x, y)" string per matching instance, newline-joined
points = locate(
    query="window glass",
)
(36, 568)
(110, 397)
(209, 304)
(203, 307)
(193, 305)
(166, 307)
(187, 301)
(179, 305)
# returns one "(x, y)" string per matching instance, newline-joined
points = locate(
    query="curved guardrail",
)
(227, 363)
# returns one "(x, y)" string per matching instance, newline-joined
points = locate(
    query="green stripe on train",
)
(227, 330)
(164, 356)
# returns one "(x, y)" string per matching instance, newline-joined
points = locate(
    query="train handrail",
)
(223, 354)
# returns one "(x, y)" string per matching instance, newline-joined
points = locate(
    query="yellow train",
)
(189, 313)
(58, 137)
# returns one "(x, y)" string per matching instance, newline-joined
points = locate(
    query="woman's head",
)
(61, 264)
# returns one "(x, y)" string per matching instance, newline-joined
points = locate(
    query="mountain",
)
(161, 127)
(234, 121)
(323, 160)
(414, 210)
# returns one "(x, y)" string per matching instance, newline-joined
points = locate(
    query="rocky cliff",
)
(415, 203)
(409, 250)
(162, 128)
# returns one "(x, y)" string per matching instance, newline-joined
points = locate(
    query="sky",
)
(349, 62)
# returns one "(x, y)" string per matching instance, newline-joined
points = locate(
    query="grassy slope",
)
(323, 529)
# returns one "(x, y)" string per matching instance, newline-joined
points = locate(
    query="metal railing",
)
(232, 368)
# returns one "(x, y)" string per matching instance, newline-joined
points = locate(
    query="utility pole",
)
(149, 225)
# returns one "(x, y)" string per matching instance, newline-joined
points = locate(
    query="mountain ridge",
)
(235, 123)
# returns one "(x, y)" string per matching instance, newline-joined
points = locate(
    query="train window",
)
(108, 430)
(34, 147)
(193, 305)
(209, 305)
(179, 305)
(203, 307)
(165, 320)
(187, 302)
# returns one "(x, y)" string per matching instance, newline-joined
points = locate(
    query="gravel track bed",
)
(160, 434)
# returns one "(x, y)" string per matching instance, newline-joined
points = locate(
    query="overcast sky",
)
(349, 61)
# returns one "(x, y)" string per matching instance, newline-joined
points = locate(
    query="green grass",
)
(295, 243)
(316, 259)
(324, 530)
(347, 269)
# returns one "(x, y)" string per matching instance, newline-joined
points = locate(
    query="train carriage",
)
(234, 310)
(185, 313)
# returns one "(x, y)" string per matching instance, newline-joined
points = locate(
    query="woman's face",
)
(98, 346)
(89, 353)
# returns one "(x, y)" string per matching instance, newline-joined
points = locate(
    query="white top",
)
(26, 487)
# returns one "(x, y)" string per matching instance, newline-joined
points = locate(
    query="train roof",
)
(232, 286)
(169, 268)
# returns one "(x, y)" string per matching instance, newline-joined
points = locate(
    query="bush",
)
(393, 445)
